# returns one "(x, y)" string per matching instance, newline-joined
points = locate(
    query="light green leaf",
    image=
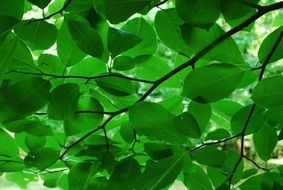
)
(199, 13)
(268, 92)
(161, 173)
(120, 41)
(32, 31)
(200, 84)
(265, 141)
(63, 101)
(154, 121)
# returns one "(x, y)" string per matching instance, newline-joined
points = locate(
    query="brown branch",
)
(83, 77)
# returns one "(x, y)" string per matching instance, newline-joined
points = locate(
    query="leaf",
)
(199, 13)
(197, 179)
(217, 134)
(112, 9)
(239, 119)
(187, 125)
(157, 151)
(267, 45)
(253, 182)
(32, 32)
(141, 28)
(125, 175)
(34, 142)
(216, 157)
(161, 173)
(67, 50)
(84, 121)
(86, 37)
(116, 86)
(167, 25)
(41, 158)
(40, 3)
(123, 63)
(50, 64)
(120, 41)
(217, 177)
(34, 127)
(268, 92)
(154, 121)
(15, 99)
(198, 38)
(8, 146)
(63, 101)
(235, 9)
(11, 14)
(265, 141)
(78, 175)
(200, 84)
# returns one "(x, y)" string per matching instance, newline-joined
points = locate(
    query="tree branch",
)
(191, 62)
(83, 77)
(256, 164)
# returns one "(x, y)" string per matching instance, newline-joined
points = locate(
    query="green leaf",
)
(32, 31)
(199, 13)
(216, 157)
(187, 125)
(117, 11)
(197, 179)
(28, 96)
(11, 13)
(239, 119)
(141, 28)
(63, 101)
(8, 146)
(123, 63)
(41, 158)
(120, 41)
(216, 176)
(235, 9)
(67, 50)
(78, 175)
(161, 173)
(198, 38)
(265, 141)
(252, 183)
(154, 121)
(200, 84)
(167, 25)
(157, 151)
(33, 127)
(217, 134)
(34, 142)
(116, 86)
(40, 3)
(86, 37)
(267, 45)
(125, 175)
(50, 64)
(268, 92)
(82, 122)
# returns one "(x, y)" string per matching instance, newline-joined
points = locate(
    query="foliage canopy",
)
(109, 109)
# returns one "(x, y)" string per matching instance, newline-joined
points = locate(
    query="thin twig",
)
(256, 164)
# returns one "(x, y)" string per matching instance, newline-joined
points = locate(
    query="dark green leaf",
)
(120, 41)
(161, 173)
(123, 63)
(216, 157)
(268, 92)
(63, 101)
(187, 125)
(8, 145)
(157, 151)
(40, 3)
(265, 140)
(41, 158)
(154, 121)
(78, 176)
(86, 37)
(267, 45)
(34, 142)
(197, 179)
(32, 32)
(217, 134)
(200, 84)
(239, 119)
(199, 13)
(24, 97)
